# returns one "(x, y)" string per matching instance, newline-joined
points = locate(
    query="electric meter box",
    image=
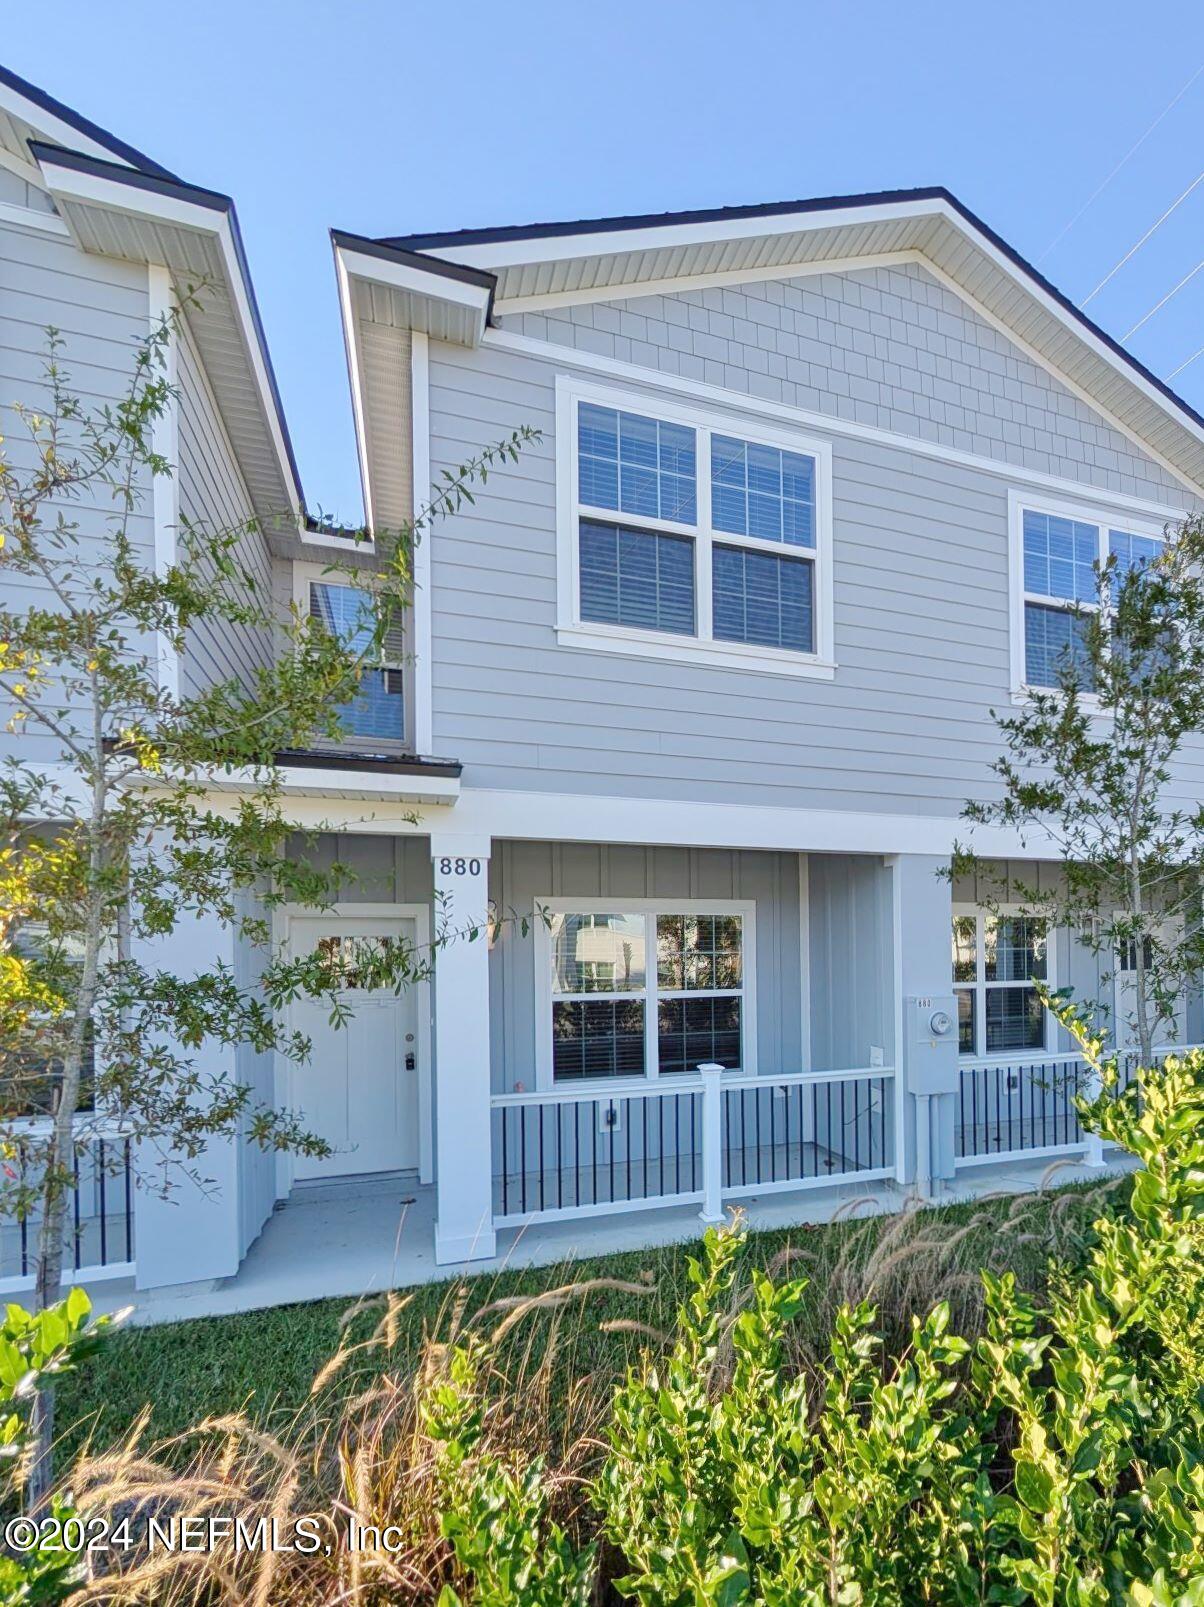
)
(930, 1034)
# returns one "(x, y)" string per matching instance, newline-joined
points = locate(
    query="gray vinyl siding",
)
(851, 947)
(921, 634)
(889, 347)
(100, 308)
(214, 499)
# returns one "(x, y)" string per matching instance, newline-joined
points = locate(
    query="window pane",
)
(761, 598)
(698, 951)
(693, 1032)
(378, 709)
(1059, 555)
(762, 491)
(965, 948)
(598, 953)
(637, 578)
(635, 464)
(1053, 643)
(967, 1027)
(1131, 552)
(1014, 1020)
(346, 611)
(597, 1038)
(1014, 948)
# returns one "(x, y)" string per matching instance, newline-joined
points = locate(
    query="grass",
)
(577, 1342)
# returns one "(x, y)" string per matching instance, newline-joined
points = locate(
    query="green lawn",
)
(264, 1362)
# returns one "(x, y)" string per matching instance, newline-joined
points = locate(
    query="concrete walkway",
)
(358, 1240)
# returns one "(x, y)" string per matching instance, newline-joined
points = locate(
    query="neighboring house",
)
(698, 688)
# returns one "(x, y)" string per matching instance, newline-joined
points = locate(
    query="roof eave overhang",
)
(931, 225)
(410, 290)
(145, 217)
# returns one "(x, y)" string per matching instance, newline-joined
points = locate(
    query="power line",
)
(1133, 250)
(1132, 151)
(1159, 305)
(1187, 364)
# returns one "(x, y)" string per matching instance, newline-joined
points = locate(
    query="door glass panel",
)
(354, 960)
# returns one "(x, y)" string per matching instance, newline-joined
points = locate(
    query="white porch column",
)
(191, 1231)
(463, 1157)
(927, 1070)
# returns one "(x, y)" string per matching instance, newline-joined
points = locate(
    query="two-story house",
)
(697, 690)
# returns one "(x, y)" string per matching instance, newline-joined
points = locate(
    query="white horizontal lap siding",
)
(100, 308)
(213, 498)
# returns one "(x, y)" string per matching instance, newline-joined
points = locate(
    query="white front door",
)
(359, 1088)
(1125, 990)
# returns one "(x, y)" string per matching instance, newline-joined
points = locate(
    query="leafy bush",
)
(35, 1349)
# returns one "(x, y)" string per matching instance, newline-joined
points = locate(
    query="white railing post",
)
(712, 1143)
(1093, 1144)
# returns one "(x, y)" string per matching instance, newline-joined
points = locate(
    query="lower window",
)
(646, 993)
(997, 960)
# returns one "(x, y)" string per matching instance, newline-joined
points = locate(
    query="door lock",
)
(411, 1062)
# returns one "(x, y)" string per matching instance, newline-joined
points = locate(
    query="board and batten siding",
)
(213, 498)
(101, 309)
(523, 874)
(921, 611)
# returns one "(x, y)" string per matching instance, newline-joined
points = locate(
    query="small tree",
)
(1090, 765)
(110, 830)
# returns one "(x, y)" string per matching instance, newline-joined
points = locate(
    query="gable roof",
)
(27, 112)
(628, 255)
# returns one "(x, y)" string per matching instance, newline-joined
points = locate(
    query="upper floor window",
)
(1057, 551)
(378, 708)
(682, 539)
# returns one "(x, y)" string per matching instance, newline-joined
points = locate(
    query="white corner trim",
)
(648, 379)
(420, 479)
(702, 647)
(165, 441)
(29, 217)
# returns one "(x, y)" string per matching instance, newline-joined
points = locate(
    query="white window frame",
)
(651, 993)
(703, 647)
(1106, 517)
(980, 984)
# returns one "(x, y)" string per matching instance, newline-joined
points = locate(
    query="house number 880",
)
(459, 867)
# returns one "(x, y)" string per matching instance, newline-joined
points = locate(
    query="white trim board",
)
(28, 217)
(165, 441)
(741, 402)
(420, 481)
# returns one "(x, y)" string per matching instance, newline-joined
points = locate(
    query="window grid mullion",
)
(652, 1058)
(703, 584)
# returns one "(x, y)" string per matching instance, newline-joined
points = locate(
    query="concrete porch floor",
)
(360, 1240)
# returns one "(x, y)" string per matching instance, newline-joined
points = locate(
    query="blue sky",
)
(388, 118)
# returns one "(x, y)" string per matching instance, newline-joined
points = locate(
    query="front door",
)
(1125, 988)
(359, 1088)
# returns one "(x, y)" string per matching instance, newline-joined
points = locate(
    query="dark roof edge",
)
(831, 203)
(85, 125)
(386, 764)
(653, 220)
(386, 251)
(168, 184)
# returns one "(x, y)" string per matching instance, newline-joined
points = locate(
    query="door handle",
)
(411, 1063)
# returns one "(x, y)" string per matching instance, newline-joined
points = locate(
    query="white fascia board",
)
(114, 196)
(612, 242)
(56, 130)
(351, 345)
(416, 281)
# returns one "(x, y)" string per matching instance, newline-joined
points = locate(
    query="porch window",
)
(1059, 553)
(378, 708)
(686, 537)
(645, 993)
(997, 959)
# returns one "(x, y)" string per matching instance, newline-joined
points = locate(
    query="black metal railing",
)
(99, 1228)
(556, 1153)
(797, 1132)
(1014, 1107)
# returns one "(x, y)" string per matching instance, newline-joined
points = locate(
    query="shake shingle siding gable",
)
(890, 347)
